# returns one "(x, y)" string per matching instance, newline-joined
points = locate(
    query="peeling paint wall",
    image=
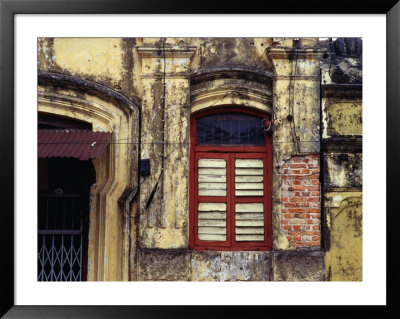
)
(108, 61)
(344, 118)
(173, 78)
(342, 174)
(343, 260)
(343, 170)
(165, 108)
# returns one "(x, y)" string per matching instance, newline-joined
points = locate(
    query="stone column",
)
(165, 107)
(296, 115)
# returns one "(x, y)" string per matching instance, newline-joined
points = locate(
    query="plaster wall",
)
(342, 180)
(171, 79)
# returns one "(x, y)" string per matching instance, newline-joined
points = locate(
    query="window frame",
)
(230, 153)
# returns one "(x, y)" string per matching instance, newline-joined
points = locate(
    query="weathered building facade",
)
(227, 159)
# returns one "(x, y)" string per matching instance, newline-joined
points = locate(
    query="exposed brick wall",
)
(301, 203)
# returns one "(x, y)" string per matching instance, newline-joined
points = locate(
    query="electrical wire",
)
(109, 142)
(183, 143)
(163, 141)
(292, 123)
(259, 58)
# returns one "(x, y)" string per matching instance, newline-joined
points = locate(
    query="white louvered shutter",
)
(212, 177)
(249, 177)
(249, 221)
(212, 181)
(212, 221)
(249, 182)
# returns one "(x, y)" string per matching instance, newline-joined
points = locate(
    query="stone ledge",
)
(163, 265)
(192, 265)
(299, 265)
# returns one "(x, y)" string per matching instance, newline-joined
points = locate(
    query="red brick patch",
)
(301, 213)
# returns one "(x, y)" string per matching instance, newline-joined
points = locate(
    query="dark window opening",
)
(63, 218)
(51, 121)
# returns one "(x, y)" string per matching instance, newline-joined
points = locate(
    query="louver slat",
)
(212, 177)
(249, 177)
(212, 221)
(249, 222)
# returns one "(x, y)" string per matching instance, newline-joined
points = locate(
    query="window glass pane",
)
(230, 129)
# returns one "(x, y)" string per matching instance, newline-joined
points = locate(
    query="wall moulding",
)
(64, 81)
(169, 51)
(231, 86)
(289, 53)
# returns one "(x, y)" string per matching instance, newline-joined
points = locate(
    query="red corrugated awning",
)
(81, 144)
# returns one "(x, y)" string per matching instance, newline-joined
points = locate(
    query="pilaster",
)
(296, 119)
(165, 72)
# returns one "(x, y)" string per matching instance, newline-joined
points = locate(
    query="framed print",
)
(160, 156)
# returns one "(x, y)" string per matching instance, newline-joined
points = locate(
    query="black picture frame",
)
(9, 8)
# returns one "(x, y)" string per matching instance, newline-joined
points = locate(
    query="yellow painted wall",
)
(134, 68)
(343, 259)
(342, 117)
(342, 133)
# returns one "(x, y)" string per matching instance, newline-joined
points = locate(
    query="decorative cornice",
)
(298, 77)
(342, 90)
(178, 75)
(292, 53)
(351, 144)
(231, 72)
(168, 51)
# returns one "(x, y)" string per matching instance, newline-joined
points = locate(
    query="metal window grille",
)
(230, 129)
(60, 238)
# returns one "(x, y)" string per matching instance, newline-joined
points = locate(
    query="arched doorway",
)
(63, 202)
(111, 116)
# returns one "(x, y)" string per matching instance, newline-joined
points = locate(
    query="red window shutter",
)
(230, 196)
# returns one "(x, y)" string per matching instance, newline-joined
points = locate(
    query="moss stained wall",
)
(343, 260)
(165, 223)
(342, 179)
(108, 61)
(279, 76)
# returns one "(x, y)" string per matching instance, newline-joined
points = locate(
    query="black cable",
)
(134, 143)
(162, 136)
(294, 124)
(291, 103)
(136, 191)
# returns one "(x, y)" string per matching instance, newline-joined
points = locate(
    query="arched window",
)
(230, 191)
